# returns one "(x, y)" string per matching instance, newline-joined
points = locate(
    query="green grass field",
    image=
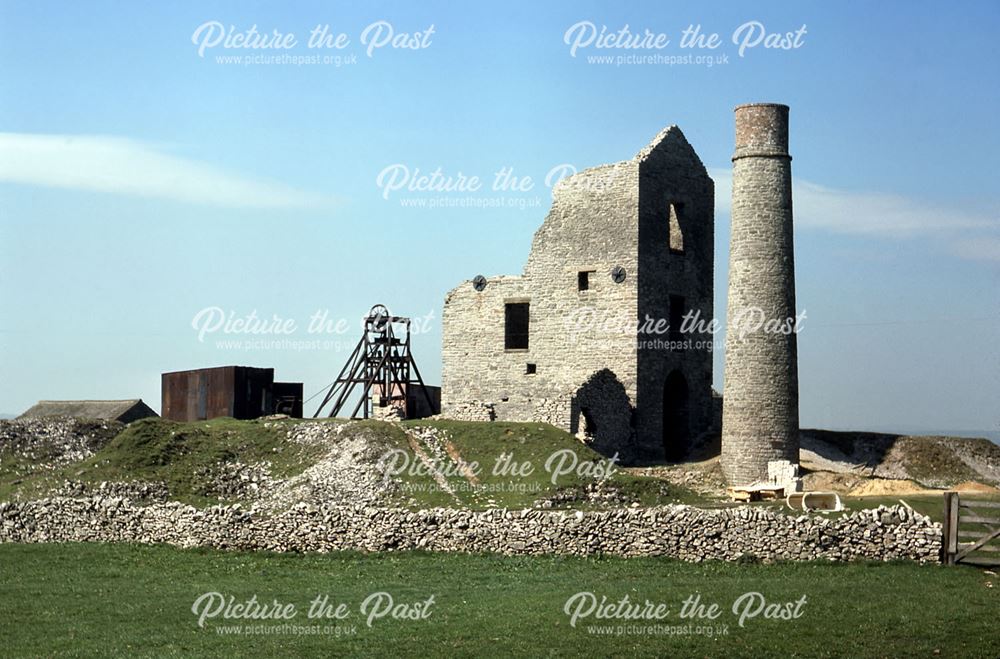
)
(89, 600)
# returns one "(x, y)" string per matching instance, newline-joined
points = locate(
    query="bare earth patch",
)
(972, 487)
(879, 487)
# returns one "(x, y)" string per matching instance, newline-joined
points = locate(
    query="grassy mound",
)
(148, 446)
(932, 461)
(187, 458)
(513, 465)
(935, 461)
(523, 465)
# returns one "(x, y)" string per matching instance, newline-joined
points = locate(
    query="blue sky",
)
(141, 183)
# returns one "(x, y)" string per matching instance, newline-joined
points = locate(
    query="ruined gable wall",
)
(592, 226)
(673, 173)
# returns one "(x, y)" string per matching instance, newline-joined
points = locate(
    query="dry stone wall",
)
(683, 532)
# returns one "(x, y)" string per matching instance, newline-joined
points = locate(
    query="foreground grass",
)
(79, 600)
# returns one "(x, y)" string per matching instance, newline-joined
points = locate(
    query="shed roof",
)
(89, 409)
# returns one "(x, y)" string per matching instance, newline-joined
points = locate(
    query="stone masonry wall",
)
(760, 418)
(598, 220)
(478, 371)
(682, 532)
(676, 176)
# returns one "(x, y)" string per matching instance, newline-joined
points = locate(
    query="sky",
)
(154, 181)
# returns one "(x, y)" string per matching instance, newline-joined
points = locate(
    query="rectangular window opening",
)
(676, 317)
(531, 369)
(583, 280)
(515, 326)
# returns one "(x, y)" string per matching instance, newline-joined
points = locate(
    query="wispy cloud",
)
(984, 248)
(881, 215)
(129, 167)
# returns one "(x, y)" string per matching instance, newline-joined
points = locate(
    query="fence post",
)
(949, 528)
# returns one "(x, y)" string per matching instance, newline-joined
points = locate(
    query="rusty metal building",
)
(241, 392)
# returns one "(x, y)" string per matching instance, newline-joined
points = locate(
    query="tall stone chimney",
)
(760, 417)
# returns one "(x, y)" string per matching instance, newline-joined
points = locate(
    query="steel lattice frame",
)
(383, 362)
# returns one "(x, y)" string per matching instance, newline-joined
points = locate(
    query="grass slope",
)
(541, 462)
(90, 600)
(186, 455)
(182, 455)
(933, 461)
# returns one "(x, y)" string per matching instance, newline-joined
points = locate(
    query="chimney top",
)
(761, 130)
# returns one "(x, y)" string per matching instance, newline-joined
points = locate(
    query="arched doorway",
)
(601, 414)
(676, 418)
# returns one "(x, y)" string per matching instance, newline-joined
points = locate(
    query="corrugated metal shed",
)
(241, 392)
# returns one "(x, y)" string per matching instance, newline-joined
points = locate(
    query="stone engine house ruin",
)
(573, 340)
